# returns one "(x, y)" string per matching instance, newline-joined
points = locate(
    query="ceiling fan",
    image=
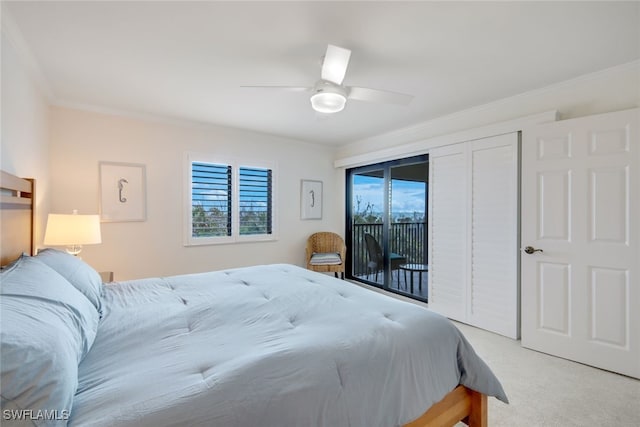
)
(329, 95)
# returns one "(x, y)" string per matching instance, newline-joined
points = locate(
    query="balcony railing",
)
(408, 239)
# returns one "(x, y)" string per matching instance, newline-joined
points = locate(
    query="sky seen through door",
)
(407, 201)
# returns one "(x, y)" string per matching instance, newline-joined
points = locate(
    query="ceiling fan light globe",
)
(328, 102)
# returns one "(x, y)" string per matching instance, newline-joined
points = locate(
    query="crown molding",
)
(426, 144)
(161, 119)
(13, 34)
(426, 129)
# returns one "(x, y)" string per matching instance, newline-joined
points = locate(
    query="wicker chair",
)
(324, 243)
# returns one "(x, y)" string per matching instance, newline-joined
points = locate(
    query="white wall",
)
(81, 139)
(24, 143)
(614, 89)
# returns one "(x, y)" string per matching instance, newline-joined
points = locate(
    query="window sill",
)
(231, 240)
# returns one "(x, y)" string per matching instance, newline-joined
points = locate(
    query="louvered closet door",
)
(473, 212)
(493, 226)
(447, 231)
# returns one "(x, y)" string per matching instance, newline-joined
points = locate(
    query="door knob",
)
(530, 249)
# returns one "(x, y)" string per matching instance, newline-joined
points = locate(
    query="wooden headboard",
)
(17, 216)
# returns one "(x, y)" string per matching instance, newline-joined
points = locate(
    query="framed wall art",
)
(311, 199)
(122, 192)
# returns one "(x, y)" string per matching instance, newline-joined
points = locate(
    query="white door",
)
(473, 233)
(581, 208)
(447, 231)
(493, 299)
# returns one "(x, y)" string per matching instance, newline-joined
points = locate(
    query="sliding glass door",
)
(368, 207)
(386, 225)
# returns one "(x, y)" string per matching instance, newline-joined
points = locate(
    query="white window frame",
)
(189, 240)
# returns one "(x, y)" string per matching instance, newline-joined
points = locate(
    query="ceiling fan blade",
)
(377, 95)
(287, 88)
(335, 64)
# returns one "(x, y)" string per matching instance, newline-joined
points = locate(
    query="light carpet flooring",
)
(545, 390)
(548, 391)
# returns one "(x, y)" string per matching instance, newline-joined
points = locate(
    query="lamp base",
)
(74, 249)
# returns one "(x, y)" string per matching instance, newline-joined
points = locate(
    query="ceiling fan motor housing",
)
(327, 86)
(328, 97)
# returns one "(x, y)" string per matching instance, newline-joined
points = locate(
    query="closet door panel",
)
(447, 231)
(493, 226)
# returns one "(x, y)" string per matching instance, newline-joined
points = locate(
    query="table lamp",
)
(72, 231)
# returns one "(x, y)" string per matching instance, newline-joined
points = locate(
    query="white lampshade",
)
(72, 230)
(328, 102)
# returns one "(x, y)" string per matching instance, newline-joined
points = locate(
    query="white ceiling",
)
(187, 60)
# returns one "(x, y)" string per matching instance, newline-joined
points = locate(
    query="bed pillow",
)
(48, 326)
(77, 272)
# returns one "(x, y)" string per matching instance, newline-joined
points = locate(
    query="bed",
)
(273, 345)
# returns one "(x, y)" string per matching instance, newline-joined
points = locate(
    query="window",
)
(255, 201)
(228, 202)
(210, 200)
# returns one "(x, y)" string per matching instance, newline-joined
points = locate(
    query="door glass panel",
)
(387, 221)
(408, 228)
(368, 207)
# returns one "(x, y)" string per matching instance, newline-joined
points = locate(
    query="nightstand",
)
(106, 276)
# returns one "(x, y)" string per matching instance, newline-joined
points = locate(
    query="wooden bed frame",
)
(17, 221)
(17, 215)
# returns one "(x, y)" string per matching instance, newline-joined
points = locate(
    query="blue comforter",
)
(271, 346)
